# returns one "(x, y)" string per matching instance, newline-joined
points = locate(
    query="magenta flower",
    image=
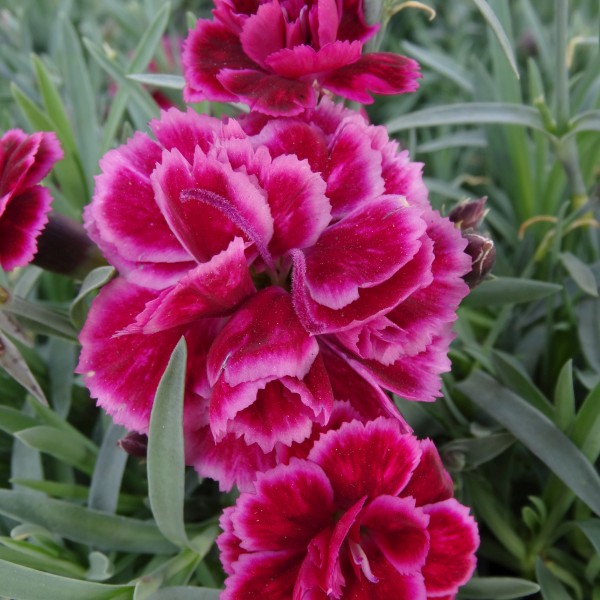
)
(368, 515)
(24, 205)
(300, 259)
(277, 55)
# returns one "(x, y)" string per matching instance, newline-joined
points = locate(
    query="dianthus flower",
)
(300, 259)
(369, 514)
(24, 205)
(277, 55)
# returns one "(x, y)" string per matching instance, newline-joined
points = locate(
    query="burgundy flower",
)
(276, 55)
(369, 514)
(300, 259)
(24, 205)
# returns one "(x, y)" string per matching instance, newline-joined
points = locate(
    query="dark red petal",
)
(263, 33)
(269, 94)
(430, 482)
(208, 48)
(376, 73)
(366, 460)
(453, 541)
(291, 505)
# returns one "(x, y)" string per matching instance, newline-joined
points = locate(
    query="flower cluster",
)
(296, 252)
(24, 205)
(277, 55)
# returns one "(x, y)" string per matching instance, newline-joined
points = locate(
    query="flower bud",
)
(468, 214)
(135, 444)
(483, 255)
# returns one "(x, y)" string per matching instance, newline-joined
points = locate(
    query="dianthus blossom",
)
(276, 56)
(24, 205)
(300, 259)
(368, 515)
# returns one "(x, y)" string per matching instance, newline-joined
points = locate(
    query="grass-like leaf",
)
(101, 530)
(93, 281)
(538, 433)
(509, 290)
(581, 273)
(185, 593)
(474, 113)
(173, 82)
(166, 461)
(551, 587)
(22, 583)
(497, 588)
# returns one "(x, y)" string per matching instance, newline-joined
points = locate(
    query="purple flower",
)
(277, 55)
(369, 514)
(24, 205)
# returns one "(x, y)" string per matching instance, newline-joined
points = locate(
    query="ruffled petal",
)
(208, 48)
(22, 221)
(399, 529)
(453, 541)
(264, 32)
(375, 73)
(228, 542)
(212, 289)
(366, 460)
(292, 504)
(430, 482)
(269, 94)
(263, 339)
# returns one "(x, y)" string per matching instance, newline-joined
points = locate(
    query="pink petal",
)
(304, 61)
(430, 482)
(264, 32)
(377, 73)
(269, 94)
(329, 18)
(263, 339)
(352, 22)
(362, 250)
(291, 505)
(22, 221)
(413, 377)
(399, 529)
(353, 172)
(48, 152)
(297, 200)
(228, 542)
(17, 156)
(207, 49)
(289, 136)
(123, 372)
(212, 289)
(453, 541)
(269, 575)
(124, 220)
(366, 460)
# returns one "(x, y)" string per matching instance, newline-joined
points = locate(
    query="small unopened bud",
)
(468, 214)
(64, 247)
(528, 45)
(135, 444)
(483, 255)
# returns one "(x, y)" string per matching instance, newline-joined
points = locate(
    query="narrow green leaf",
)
(591, 529)
(478, 451)
(101, 567)
(22, 583)
(509, 290)
(499, 32)
(474, 139)
(551, 587)
(142, 55)
(538, 433)
(14, 364)
(34, 115)
(581, 274)
(83, 98)
(586, 121)
(139, 94)
(514, 376)
(166, 460)
(53, 104)
(103, 531)
(94, 280)
(474, 113)
(186, 593)
(57, 443)
(108, 471)
(497, 588)
(12, 420)
(586, 429)
(441, 64)
(26, 555)
(61, 359)
(588, 329)
(173, 82)
(564, 397)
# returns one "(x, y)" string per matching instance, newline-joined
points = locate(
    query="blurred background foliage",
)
(508, 108)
